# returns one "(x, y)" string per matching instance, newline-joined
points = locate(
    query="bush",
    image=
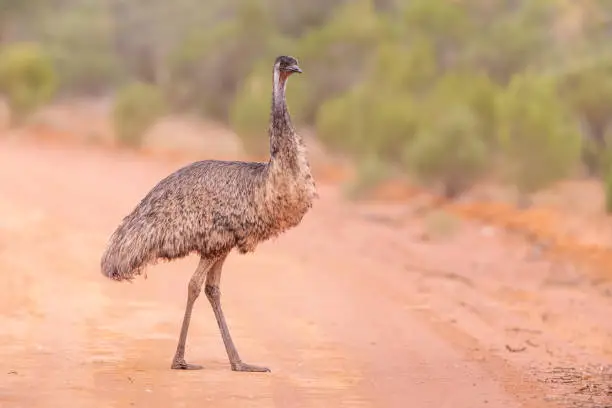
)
(399, 67)
(337, 54)
(368, 121)
(537, 134)
(197, 80)
(595, 156)
(208, 67)
(27, 78)
(250, 112)
(137, 107)
(589, 93)
(449, 150)
(476, 91)
(446, 24)
(510, 36)
(335, 124)
(608, 187)
(295, 18)
(79, 41)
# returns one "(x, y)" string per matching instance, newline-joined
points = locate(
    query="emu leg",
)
(214, 296)
(193, 291)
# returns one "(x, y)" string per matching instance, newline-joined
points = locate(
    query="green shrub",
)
(208, 67)
(335, 54)
(509, 38)
(449, 150)
(595, 157)
(589, 93)
(368, 121)
(196, 78)
(410, 68)
(335, 124)
(295, 18)
(476, 91)
(250, 112)
(445, 23)
(79, 41)
(137, 107)
(538, 136)
(27, 78)
(608, 190)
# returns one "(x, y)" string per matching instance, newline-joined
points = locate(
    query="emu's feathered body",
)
(208, 207)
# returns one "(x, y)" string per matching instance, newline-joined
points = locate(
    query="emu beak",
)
(294, 68)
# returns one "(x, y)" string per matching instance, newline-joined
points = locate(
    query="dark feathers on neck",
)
(282, 134)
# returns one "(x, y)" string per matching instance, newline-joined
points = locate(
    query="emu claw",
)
(249, 368)
(182, 365)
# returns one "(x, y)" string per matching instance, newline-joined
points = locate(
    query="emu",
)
(211, 207)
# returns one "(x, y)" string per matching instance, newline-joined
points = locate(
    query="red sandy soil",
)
(362, 305)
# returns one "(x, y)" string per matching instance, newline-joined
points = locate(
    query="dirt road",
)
(347, 310)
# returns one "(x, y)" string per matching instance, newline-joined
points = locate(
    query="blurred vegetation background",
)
(445, 92)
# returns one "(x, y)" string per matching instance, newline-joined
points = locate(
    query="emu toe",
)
(249, 368)
(182, 365)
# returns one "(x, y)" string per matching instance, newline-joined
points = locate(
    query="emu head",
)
(284, 66)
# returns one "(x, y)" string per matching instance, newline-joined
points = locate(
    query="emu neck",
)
(284, 142)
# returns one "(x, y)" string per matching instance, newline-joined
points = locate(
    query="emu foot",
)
(182, 365)
(249, 368)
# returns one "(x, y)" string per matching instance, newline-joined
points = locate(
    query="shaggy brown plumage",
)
(211, 207)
